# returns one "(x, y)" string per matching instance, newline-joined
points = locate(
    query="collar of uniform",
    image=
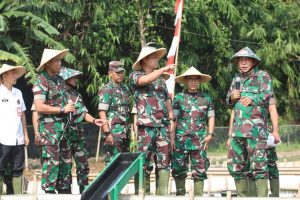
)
(45, 73)
(197, 94)
(116, 85)
(4, 89)
(254, 73)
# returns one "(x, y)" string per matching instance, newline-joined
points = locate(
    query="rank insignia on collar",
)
(18, 101)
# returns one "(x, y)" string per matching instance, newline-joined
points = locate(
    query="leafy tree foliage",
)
(98, 31)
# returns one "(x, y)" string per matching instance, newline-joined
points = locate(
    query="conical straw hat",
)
(68, 73)
(49, 54)
(166, 75)
(19, 69)
(192, 72)
(245, 52)
(146, 51)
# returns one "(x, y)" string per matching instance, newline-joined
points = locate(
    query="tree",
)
(24, 35)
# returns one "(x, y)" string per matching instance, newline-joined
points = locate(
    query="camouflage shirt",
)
(150, 101)
(115, 99)
(75, 128)
(52, 91)
(192, 112)
(251, 121)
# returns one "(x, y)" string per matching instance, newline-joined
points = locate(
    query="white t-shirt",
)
(11, 108)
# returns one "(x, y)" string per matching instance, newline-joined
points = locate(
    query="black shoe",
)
(81, 189)
(50, 192)
(64, 191)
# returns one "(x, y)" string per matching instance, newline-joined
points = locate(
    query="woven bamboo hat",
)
(20, 70)
(192, 71)
(49, 54)
(146, 51)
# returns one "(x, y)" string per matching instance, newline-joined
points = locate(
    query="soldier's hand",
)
(206, 141)
(26, 140)
(228, 142)
(70, 107)
(276, 137)
(100, 122)
(168, 68)
(235, 95)
(246, 101)
(37, 139)
(109, 140)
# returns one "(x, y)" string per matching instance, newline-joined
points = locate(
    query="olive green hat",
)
(245, 52)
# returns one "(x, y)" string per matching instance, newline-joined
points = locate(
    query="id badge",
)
(19, 111)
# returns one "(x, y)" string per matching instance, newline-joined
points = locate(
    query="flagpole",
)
(177, 49)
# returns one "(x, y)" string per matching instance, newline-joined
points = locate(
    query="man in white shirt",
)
(13, 131)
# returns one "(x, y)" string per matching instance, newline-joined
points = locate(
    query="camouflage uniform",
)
(192, 112)
(76, 139)
(75, 133)
(115, 99)
(250, 126)
(152, 121)
(55, 155)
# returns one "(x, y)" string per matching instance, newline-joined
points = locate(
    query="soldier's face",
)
(10, 77)
(245, 64)
(193, 83)
(54, 65)
(117, 77)
(151, 61)
(72, 81)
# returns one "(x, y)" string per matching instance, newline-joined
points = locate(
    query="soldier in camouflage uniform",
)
(114, 99)
(271, 157)
(250, 105)
(74, 129)
(192, 109)
(52, 105)
(155, 118)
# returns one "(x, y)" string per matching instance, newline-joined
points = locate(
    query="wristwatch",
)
(212, 134)
(107, 133)
(172, 119)
(62, 110)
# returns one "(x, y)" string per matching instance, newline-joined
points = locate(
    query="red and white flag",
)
(174, 47)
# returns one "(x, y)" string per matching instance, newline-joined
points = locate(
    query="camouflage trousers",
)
(272, 166)
(247, 155)
(56, 169)
(155, 143)
(121, 142)
(199, 163)
(80, 154)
